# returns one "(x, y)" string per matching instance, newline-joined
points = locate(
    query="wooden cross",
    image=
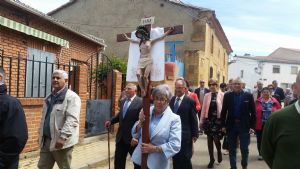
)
(146, 100)
(178, 29)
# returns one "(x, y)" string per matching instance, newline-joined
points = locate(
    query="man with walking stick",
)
(127, 116)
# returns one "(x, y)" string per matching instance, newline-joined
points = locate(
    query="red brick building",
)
(32, 44)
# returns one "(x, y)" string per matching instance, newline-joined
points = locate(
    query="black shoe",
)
(220, 156)
(211, 164)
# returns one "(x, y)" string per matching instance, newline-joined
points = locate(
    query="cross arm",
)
(178, 29)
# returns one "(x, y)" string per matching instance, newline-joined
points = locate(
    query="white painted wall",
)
(284, 76)
(252, 68)
(250, 77)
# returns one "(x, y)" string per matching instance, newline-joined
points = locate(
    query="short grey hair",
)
(63, 73)
(163, 89)
(182, 81)
(259, 82)
(238, 79)
(134, 87)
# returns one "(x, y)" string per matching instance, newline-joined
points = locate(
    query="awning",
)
(32, 32)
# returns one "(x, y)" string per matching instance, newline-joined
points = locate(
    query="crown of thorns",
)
(142, 31)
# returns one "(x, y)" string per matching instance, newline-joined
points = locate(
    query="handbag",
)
(225, 143)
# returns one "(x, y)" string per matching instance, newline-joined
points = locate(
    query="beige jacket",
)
(64, 121)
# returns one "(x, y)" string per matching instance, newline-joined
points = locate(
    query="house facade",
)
(201, 52)
(282, 65)
(32, 45)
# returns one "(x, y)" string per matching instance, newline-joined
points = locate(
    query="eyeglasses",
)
(213, 84)
(160, 99)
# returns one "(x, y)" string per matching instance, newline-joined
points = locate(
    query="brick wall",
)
(15, 44)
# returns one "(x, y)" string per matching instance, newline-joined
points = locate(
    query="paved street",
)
(201, 158)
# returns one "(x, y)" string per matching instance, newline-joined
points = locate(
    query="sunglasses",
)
(214, 84)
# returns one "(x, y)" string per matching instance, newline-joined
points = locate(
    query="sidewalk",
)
(89, 154)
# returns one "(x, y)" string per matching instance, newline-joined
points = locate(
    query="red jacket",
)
(195, 98)
(258, 104)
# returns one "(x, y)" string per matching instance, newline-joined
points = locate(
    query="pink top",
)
(206, 104)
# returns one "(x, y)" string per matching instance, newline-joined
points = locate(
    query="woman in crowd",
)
(265, 105)
(193, 96)
(164, 130)
(210, 120)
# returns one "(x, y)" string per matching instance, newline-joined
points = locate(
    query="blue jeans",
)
(236, 132)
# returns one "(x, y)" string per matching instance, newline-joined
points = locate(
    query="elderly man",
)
(278, 92)
(238, 121)
(13, 128)
(184, 106)
(257, 92)
(281, 140)
(59, 129)
(201, 91)
(127, 116)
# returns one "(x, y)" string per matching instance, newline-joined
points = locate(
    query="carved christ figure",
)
(145, 62)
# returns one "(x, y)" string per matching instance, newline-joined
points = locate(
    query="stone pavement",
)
(89, 154)
(93, 154)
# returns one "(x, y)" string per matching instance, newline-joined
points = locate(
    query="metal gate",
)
(100, 102)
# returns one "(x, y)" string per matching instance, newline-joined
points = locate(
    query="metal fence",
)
(101, 83)
(31, 77)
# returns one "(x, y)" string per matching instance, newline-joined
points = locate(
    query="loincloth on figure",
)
(144, 61)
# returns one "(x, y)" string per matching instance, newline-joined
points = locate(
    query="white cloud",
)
(44, 5)
(258, 42)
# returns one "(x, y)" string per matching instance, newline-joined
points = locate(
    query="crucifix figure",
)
(146, 64)
(145, 61)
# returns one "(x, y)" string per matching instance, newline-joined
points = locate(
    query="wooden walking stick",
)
(108, 144)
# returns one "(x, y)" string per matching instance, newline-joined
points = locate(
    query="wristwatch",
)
(158, 149)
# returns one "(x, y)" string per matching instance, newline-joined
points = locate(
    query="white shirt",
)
(179, 100)
(129, 100)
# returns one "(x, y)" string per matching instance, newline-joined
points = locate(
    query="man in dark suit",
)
(238, 121)
(127, 116)
(201, 91)
(185, 107)
(278, 92)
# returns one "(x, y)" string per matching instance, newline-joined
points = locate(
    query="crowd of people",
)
(222, 111)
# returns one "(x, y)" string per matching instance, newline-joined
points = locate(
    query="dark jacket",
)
(126, 123)
(247, 111)
(13, 129)
(279, 94)
(189, 123)
(197, 91)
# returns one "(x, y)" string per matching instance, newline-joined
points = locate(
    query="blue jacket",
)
(167, 135)
(248, 114)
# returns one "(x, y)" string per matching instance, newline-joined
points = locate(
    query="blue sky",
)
(257, 27)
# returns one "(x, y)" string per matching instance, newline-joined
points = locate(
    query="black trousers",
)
(122, 149)
(12, 163)
(210, 146)
(182, 160)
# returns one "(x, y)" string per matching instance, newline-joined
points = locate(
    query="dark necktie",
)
(176, 105)
(125, 107)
